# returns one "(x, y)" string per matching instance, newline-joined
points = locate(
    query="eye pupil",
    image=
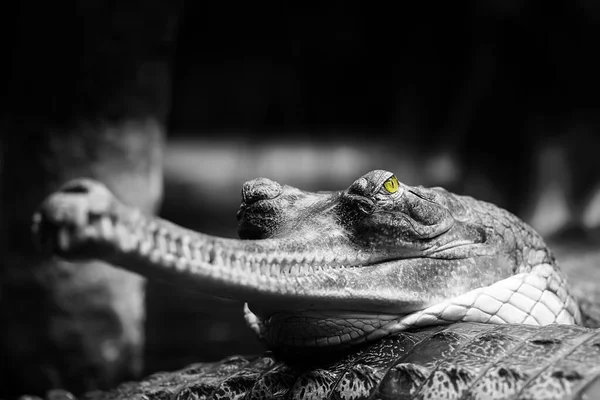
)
(391, 185)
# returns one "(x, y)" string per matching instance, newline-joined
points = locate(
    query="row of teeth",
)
(161, 246)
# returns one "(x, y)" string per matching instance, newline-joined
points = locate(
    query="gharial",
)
(378, 291)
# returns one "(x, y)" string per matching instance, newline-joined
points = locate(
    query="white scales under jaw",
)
(533, 299)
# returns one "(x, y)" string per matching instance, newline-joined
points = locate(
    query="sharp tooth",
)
(106, 228)
(306, 269)
(155, 256)
(234, 263)
(275, 269)
(185, 247)
(205, 255)
(145, 246)
(217, 257)
(90, 232)
(195, 267)
(241, 261)
(264, 268)
(124, 238)
(293, 270)
(63, 239)
(263, 279)
(161, 241)
(211, 254)
(196, 254)
(329, 258)
(181, 264)
(218, 272)
(172, 244)
(168, 260)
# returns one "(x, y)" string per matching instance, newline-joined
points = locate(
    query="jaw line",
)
(406, 300)
(266, 309)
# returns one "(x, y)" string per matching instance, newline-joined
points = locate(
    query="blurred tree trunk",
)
(89, 94)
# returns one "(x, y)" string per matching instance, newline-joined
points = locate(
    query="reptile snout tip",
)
(260, 189)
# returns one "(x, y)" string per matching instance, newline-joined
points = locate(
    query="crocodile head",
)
(378, 245)
(330, 268)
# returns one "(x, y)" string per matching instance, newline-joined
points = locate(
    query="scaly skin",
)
(331, 269)
(471, 361)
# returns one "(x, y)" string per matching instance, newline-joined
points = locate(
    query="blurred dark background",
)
(473, 96)
(495, 99)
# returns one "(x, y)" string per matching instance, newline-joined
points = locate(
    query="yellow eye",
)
(391, 185)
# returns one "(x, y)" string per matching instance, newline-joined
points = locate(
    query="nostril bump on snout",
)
(260, 189)
(360, 187)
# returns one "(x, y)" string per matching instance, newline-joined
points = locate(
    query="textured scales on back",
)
(460, 361)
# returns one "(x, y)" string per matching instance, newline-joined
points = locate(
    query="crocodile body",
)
(367, 278)
(459, 361)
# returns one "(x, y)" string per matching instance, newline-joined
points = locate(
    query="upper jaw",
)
(391, 285)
